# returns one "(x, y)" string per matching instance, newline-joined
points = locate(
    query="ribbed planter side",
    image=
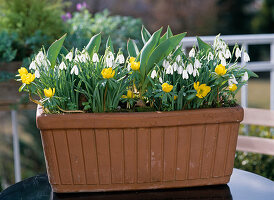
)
(169, 151)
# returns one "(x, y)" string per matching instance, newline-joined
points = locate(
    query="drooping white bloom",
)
(153, 74)
(169, 70)
(232, 80)
(32, 65)
(77, 58)
(246, 57)
(245, 77)
(69, 56)
(197, 64)
(192, 53)
(185, 74)
(74, 70)
(189, 68)
(120, 59)
(62, 66)
(195, 72)
(37, 74)
(109, 59)
(160, 80)
(175, 66)
(180, 69)
(40, 59)
(95, 58)
(210, 56)
(238, 53)
(178, 58)
(227, 54)
(84, 57)
(223, 61)
(166, 64)
(128, 67)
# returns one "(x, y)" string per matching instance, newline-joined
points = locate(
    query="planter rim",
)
(138, 119)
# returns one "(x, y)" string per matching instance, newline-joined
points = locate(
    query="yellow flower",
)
(49, 92)
(22, 71)
(166, 87)
(132, 59)
(27, 78)
(175, 97)
(202, 90)
(129, 95)
(220, 70)
(232, 87)
(135, 65)
(108, 73)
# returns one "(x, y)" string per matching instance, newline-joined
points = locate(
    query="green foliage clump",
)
(7, 46)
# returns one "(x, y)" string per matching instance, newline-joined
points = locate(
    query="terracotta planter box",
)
(136, 151)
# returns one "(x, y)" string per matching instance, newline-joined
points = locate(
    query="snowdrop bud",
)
(165, 64)
(37, 74)
(95, 58)
(197, 64)
(160, 80)
(32, 65)
(245, 77)
(120, 59)
(223, 61)
(62, 66)
(232, 80)
(180, 70)
(195, 72)
(238, 53)
(227, 54)
(69, 56)
(84, 57)
(189, 68)
(109, 59)
(185, 74)
(178, 58)
(192, 53)
(153, 74)
(246, 57)
(74, 70)
(210, 56)
(175, 66)
(169, 70)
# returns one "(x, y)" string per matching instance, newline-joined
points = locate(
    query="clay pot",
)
(136, 151)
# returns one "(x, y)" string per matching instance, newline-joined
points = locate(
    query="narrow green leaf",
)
(109, 44)
(190, 97)
(94, 44)
(202, 45)
(167, 35)
(22, 87)
(54, 50)
(132, 48)
(145, 35)
(169, 32)
(251, 73)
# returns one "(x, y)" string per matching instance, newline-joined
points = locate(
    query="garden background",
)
(26, 25)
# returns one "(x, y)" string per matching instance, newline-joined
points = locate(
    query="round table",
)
(242, 186)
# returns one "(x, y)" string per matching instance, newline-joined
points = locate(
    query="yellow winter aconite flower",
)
(202, 90)
(108, 73)
(232, 87)
(22, 71)
(129, 95)
(220, 70)
(49, 92)
(175, 97)
(166, 87)
(132, 59)
(27, 78)
(135, 65)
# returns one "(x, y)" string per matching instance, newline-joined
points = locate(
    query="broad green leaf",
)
(163, 50)
(94, 44)
(163, 38)
(190, 97)
(145, 35)
(169, 32)
(147, 50)
(251, 73)
(167, 35)
(202, 45)
(132, 48)
(54, 50)
(63, 51)
(109, 44)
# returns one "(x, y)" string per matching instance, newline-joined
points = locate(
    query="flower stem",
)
(105, 95)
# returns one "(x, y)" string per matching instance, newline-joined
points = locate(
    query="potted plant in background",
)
(160, 118)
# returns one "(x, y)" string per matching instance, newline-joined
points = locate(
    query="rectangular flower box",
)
(135, 151)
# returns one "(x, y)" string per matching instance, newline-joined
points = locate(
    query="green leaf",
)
(132, 48)
(167, 35)
(22, 87)
(169, 32)
(251, 73)
(190, 97)
(202, 45)
(163, 50)
(109, 44)
(94, 44)
(145, 35)
(54, 50)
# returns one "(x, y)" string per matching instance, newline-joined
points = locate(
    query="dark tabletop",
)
(242, 186)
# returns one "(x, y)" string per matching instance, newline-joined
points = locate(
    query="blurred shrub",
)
(7, 46)
(82, 26)
(256, 163)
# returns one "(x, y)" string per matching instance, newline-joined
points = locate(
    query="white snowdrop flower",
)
(153, 74)
(74, 70)
(197, 64)
(238, 53)
(180, 69)
(37, 74)
(192, 53)
(69, 56)
(62, 66)
(185, 74)
(95, 58)
(109, 59)
(245, 77)
(223, 61)
(232, 80)
(175, 66)
(246, 57)
(178, 58)
(220, 55)
(227, 54)
(128, 67)
(166, 64)
(195, 72)
(77, 58)
(160, 80)
(120, 59)
(84, 57)
(189, 68)
(210, 56)
(169, 70)
(32, 65)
